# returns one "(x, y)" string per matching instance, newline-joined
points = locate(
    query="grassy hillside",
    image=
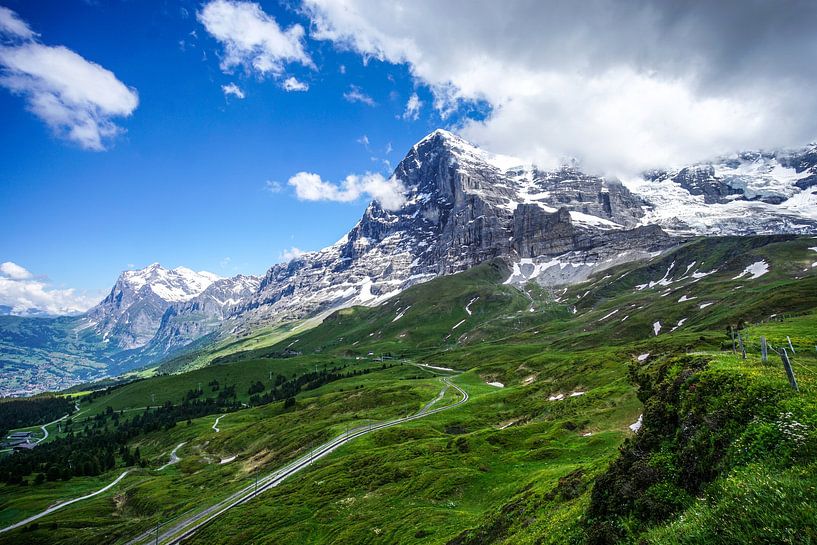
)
(544, 454)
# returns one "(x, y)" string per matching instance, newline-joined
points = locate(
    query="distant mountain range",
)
(463, 206)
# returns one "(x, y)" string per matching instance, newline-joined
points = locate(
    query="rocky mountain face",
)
(746, 193)
(186, 321)
(178, 303)
(464, 205)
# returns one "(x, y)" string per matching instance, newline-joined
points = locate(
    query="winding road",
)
(174, 458)
(179, 530)
(187, 526)
(63, 504)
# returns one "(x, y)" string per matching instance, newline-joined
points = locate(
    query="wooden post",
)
(789, 371)
(790, 346)
(764, 350)
(742, 348)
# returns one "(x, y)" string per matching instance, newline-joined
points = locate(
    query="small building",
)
(24, 446)
(14, 440)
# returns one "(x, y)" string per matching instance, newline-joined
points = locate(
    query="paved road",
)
(179, 530)
(45, 430)
(63, 504)
(174, 459)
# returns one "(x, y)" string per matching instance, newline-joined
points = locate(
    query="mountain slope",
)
(129, 316)
(553, 396)
(462, 206)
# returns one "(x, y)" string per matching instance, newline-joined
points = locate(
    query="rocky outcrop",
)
(537, 232)
(184, 322)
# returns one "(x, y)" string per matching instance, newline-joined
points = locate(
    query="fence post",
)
(764, 350)
(790, 346)
(742, 348)
(789, 371)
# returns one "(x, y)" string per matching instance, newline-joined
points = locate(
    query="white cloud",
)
(76, 98)
(355, 94)
(252, 39)
(389, 193)
(273, 186)
(290, 254)
(620, 86)
(413, 107)
(27, 295)
(292, 84)
(14, 271)
(234, 90)
(12, 25)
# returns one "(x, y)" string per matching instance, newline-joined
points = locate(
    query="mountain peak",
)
(171, 285)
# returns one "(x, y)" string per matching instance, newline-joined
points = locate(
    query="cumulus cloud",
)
(413, 106)
(78, 99)
(252, 39)
(618, 85)
(14, 271)
(292, 84)
(390, 193)
(234, 90)
(355, 94)
(290, 254)
(27, 295)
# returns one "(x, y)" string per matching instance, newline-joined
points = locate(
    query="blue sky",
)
(142, 131)
(186, 181)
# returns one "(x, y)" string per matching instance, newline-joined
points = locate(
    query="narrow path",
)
(63, 504)
(215, 424)
(186, 527)
(174, 459)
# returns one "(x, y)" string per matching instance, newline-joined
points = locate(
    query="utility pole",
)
(764, 350)
(153, 399)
